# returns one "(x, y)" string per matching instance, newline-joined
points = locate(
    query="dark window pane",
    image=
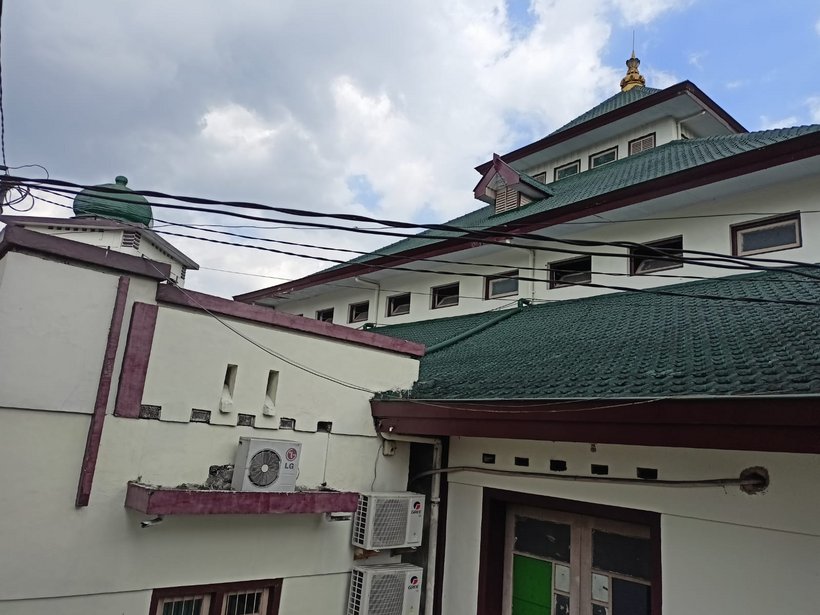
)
(629, 598)
(542, 538)
(598, 609)
(561, 604)
(622, 554)
(770, 237)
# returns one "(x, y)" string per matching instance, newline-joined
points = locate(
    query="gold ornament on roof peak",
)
(633, 78)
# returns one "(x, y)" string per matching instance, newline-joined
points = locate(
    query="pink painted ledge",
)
(153, 500)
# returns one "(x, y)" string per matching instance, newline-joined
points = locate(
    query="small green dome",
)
(123, 205)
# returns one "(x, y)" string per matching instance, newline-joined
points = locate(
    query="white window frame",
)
(634, 265)
(581, 568)
(592, 159)
(437, 302)
(737, 231)
(318, 312)
(504, 276)
(401, 311)
(563, 167)
(354, 313)
(204, 609)
(552, 268)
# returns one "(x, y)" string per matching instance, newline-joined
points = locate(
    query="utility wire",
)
(485, 236)
(653, 291)
(2, 114)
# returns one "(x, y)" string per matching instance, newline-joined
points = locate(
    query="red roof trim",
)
(17, 239)
(684, 87)
(153, 500)
(731, 423)
(95, 427)
(798, 148)
(269, 316)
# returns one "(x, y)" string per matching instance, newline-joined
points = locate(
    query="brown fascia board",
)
(798, 148)
(682, 88)
(775, 424)
(268, 316)
(18, 239)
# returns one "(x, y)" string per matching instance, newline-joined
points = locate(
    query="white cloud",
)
(736, 83)
(766, 123)
(282, 102)
(696, 57)
(813, 103)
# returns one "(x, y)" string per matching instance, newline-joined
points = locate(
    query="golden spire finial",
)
(633, 78)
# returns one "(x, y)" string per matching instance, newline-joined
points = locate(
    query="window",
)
(570, 272)
(501, 285)
(398, 304)
(568, 169)
(604, 157)
(245, 598)
(656, 256)
(567, 564)
(641, 144)
(325, 315)
(506, 199)
(444, 296)
(540, 177)
(766, 235)
(357, 312)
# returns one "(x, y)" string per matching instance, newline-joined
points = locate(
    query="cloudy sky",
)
(380, 108)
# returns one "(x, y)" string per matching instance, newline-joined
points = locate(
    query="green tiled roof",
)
(626, 345)
(621, 99)
(652, 164)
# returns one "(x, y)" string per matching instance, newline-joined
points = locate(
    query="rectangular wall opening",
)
(269, 406)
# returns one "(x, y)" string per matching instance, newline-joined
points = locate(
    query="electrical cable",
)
(652, 291)
(2, 114)
(486, 236)
(708, 482)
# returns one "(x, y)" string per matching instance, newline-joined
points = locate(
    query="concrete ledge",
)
(154, 500)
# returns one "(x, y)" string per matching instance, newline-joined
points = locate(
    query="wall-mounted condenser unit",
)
(266, 465)
(388, 520)
(387, 589)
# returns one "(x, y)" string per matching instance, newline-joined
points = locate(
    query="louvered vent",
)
(641, 145)
(131, 239)
(505, 199)
(390, 522)
(360, 524)
(354, 601)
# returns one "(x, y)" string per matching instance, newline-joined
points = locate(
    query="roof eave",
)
(682, 88)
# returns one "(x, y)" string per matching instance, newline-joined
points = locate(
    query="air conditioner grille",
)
(387, 595)
(360, 527)
(390, 522)
(263, 469)
(354, 603)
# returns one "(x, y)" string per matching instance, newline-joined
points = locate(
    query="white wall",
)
(708, 234)
(723, 551)
(98, 559)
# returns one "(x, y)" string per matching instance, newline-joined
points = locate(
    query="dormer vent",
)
(506, 188)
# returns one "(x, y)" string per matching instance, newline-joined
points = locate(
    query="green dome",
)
(123, 205)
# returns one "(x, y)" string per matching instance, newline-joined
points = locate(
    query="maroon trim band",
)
(18, 239)
(95, 427)
(269, 316)
(778, 424)
(169, 501)
(135, 361)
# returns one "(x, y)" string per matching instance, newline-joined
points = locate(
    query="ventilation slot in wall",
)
(522, 461)
(269, 406)
(226, 401)
(245, 420)
(558, 465)
(648, 473)
(131, 239)
(200, 416)
(487, 458)
(286, 423)
(150, 412)
(599, 469)
(324, 426)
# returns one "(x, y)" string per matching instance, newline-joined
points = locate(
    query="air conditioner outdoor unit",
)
(266, 465)
(388, 520)
(388, 589)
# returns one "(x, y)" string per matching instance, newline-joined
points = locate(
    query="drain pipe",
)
(376, 302)
(432, 537)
